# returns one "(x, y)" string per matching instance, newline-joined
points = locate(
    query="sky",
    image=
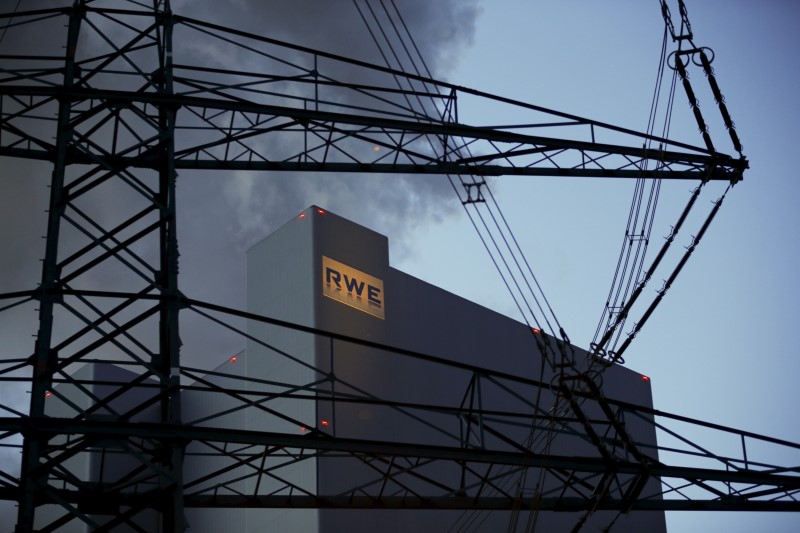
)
(717, 347)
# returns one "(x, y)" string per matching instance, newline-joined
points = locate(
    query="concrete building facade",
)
(324, 272)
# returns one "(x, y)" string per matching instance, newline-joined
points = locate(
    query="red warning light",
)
(301, 215)
(645, 378)
(233, 359)
(324, 422)
(536, 331)
(320, 211)
(48, 394)
(303, 429)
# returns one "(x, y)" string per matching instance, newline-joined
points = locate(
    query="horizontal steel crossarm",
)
(441, 168)
(487, 503)
(184, 433)
(514, 378)
(777, 482)
(189, 302)
(690, 165)
(179, 433)
(445, 89)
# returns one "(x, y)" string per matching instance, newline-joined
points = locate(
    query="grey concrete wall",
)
(281, 282)
(424, 318)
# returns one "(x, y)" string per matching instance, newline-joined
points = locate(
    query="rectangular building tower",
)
(324, 272)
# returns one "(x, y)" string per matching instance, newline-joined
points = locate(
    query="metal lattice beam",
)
(127, 115)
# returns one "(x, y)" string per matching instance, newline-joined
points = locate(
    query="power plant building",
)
(328, 274)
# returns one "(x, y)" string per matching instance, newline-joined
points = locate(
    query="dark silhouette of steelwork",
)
(120, 112)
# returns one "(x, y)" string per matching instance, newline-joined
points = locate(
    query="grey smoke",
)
(261, 201)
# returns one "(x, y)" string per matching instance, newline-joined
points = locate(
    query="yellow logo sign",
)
(352, 287)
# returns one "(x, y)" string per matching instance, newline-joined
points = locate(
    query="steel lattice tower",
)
(121, 113)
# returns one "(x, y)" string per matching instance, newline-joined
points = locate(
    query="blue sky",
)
(719, 348)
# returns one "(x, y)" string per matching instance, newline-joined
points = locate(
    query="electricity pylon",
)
(121, 112)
